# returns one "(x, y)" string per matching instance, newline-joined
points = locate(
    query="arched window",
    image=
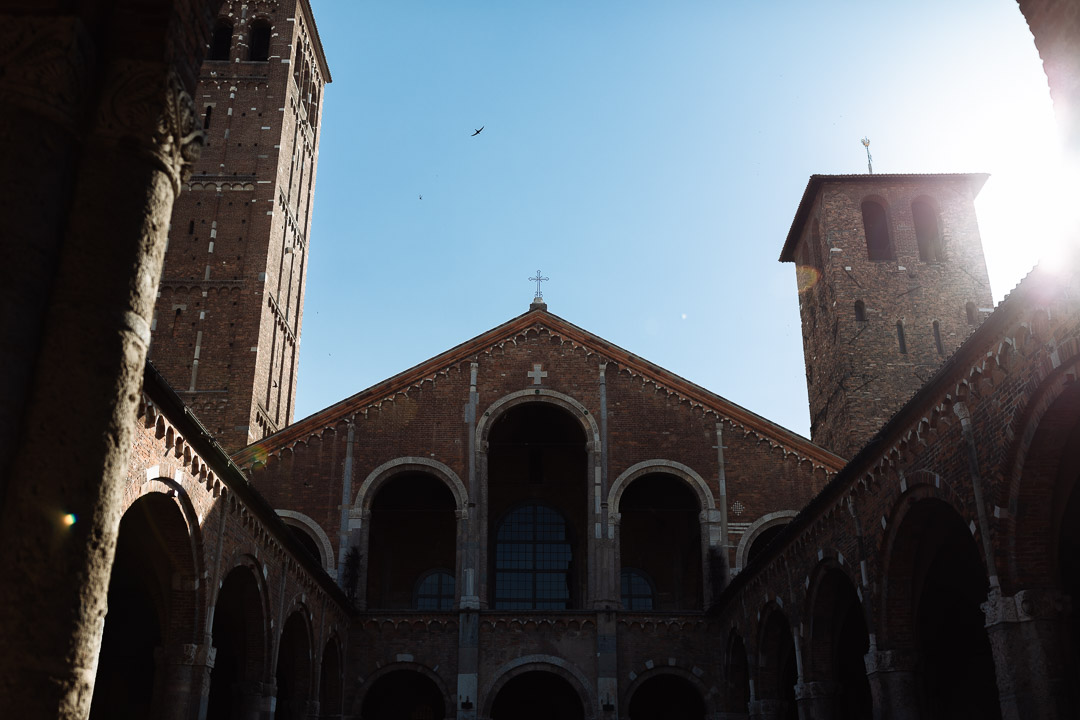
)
(532, 560)
(860, 311)
(972, 315)
(900, 339)
(637, 591)
(435, 591)
(259, 46)
(221, 41)
(937, 338)
(927, 233)
(878, 245)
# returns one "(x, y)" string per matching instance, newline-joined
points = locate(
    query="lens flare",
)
(69, 519)
(806, 277)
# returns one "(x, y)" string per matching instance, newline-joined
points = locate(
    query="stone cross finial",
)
(538, 279)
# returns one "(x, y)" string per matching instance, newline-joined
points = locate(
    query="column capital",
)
(186, 654)
(816, 689)
(885, 661)
(1025, 606)
(146, 106)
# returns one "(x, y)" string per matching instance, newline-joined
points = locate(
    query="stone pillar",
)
(182, 681)
(467, 700)
(1030, 638)
(815, 700)
(893, 684)
(259, 702)
(768, 709)
(135, 130)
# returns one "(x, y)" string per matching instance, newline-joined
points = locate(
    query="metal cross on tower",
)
(869, 160)
(538, 279)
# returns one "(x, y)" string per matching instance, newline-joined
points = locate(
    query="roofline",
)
(157, 388)
(309, 18)
(977, 180)
(336, 412)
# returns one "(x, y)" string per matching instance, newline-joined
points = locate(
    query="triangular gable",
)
(534, 320)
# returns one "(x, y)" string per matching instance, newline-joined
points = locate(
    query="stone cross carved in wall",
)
(537, 374)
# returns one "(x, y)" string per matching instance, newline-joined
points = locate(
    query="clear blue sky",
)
(648, 157)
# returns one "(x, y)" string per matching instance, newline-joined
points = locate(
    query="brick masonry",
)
(227, 323)
(856, 371)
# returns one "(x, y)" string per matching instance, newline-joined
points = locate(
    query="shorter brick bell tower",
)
(891, 279)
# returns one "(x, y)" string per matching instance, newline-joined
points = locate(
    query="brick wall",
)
(857, 374)
(227, 322)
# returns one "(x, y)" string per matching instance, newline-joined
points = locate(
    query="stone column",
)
(1030, 638)
(893, 684)
(259, 702)
(468, 683)
(815, 700)
(768, 709)
(64, 476)
(182, 681)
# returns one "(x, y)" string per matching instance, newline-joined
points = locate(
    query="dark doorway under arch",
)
(777, 666)
(937, 571)
(239, 639)
(141, 599)
(660, 535)
(537, 499)
(293, 674)
(667, 697)
(838, 643)
(403, 695)
(537, 695)
(413, 532)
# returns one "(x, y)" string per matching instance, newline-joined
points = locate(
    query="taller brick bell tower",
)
(226, 326)
(891, 280)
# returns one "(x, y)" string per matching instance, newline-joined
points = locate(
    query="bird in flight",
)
(421, 197)
(477, 132)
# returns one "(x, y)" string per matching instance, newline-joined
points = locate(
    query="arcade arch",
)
(666, 695)
(777, 667)
(405, 690)
(935, 582)
(153, 606)
(239, 634)
(838, 643)
(760, 534)
(294, 668)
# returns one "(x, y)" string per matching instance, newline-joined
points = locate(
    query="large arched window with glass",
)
(435, 591)
(636, 590)
(533, 556)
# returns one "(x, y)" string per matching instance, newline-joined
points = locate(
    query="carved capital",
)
(1025, 606)
(186, 654)
(45, 65)
(146, 107)
(811, 690)
(886, 661)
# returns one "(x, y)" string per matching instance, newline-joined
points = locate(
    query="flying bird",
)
(477, 132)
(421, 197)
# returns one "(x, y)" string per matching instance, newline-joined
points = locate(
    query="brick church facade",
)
(536, 522)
